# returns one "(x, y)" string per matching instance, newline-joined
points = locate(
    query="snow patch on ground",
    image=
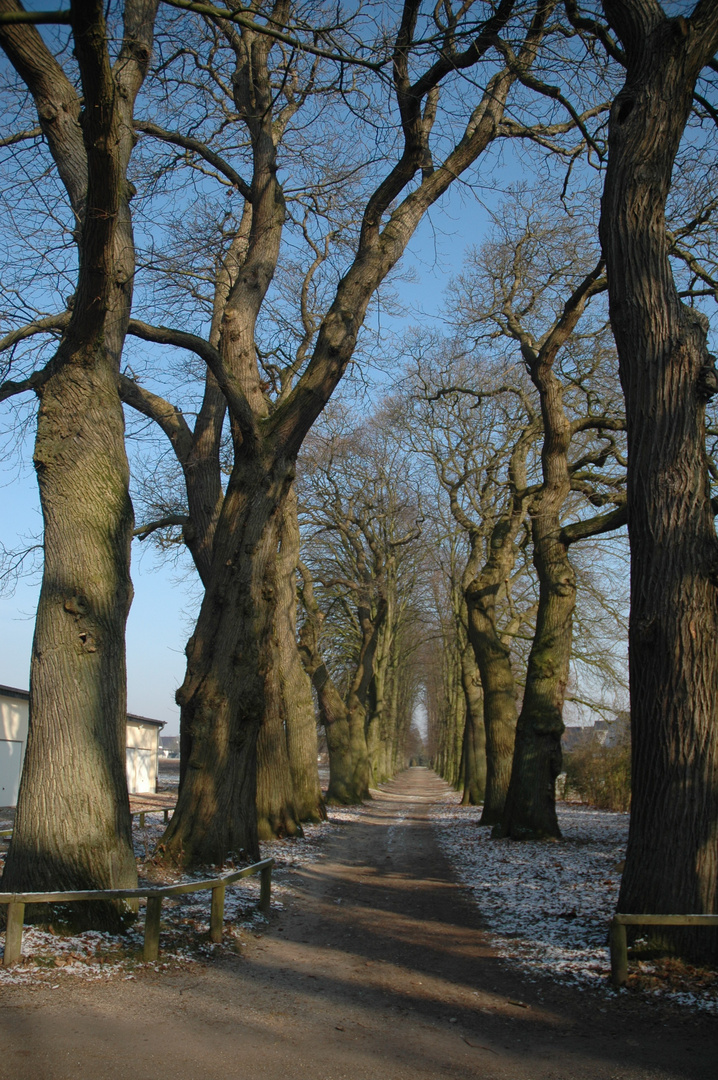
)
(185, 919)
(548, 905)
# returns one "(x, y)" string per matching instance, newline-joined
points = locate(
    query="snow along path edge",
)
(547, 906)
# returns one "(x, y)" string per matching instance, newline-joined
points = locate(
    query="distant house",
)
(142, 746)
(169, 746)
(606, 732)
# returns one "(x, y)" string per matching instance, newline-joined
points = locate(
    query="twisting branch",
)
(227, 382)
(143, 531)
(21, 136)
(32, 382)
(167, 416)
(596, 526)
(531, 82)
(596, 29)
(240, 18)
(185, 142)
(40, 326)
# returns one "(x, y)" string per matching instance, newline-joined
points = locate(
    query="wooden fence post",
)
(152, 928)
(265, 889)
(216, 918)
(619, 953)
(13, 934)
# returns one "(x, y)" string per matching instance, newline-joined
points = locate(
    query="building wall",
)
(142, 747)
(13, 740)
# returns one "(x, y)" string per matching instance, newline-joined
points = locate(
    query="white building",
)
(143, 737)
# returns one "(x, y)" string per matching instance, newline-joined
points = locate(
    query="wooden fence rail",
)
(16, 906)
(619, 944)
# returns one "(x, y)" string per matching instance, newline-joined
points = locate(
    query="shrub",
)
(599, 775)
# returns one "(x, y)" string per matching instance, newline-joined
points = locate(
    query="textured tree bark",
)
(230, 659)
(276, 808)
(499, 690)
(474, 732)
(349, 769)
(667, 375)
(277, 814)
(73, 827)
(359, 695)
(295, 685)
(530, 808)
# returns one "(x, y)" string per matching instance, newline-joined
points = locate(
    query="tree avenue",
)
(523, 442)
(281, 159)
(230, 657)
(361, 519)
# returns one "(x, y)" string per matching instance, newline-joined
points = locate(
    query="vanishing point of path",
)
(378, 967)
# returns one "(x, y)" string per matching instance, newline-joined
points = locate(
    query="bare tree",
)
(667, 377)
(361, 520)
(73, 824)
(229, 655)
(522, 283)
(478, 425)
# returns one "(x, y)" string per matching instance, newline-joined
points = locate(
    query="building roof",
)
(146, 720)
(13, 691)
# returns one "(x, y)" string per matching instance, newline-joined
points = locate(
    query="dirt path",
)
(376, 967)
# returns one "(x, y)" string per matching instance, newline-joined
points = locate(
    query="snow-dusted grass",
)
(548, 905)
(185, 919)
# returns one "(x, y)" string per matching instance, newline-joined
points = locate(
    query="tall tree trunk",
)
(530, 808)
(277, 814)
(230, 657)
(493, 660)
(667, 376)
(296, 688)
(474, 753)
(482, 585)
(349, 769)
(73, 827)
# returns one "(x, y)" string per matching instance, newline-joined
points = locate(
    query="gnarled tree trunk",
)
(230, 657)
(73, 828)
(474, 753)
(349, 769)
(301, 722)
(667, 376)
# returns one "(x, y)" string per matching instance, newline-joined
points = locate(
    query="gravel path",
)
(377, 966)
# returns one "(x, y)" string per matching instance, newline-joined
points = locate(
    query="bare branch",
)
(596, 526)
(143, 531)
(241, 19)
(227, 382)
(41, 326)
(167, 416)
(21, 136)
(8, 18)
(32, 382)
(199, 148)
